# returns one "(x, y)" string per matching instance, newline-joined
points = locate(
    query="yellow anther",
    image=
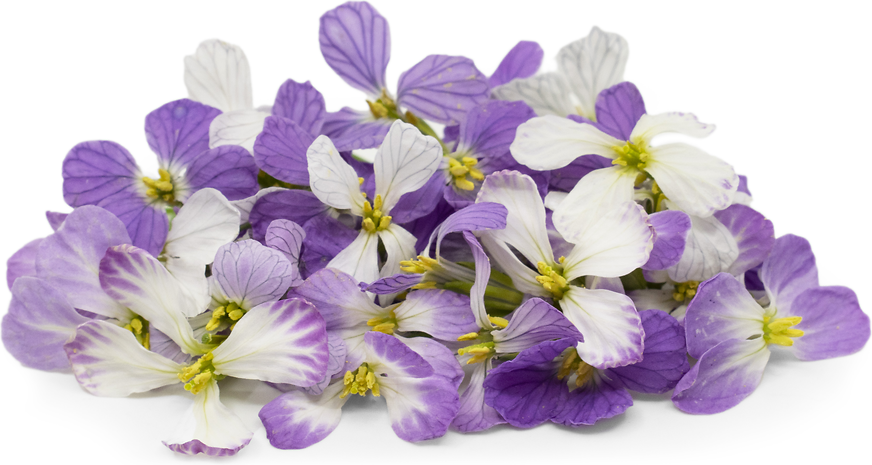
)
(640, 178)
(378, 203)
(411, 266)
(375, 390)
(476, 174)
(458, 171)
(367, 207)
(478, 350)
(431, 262)
(360, 181)
(198, 374)
(147, 342)
(164, 186)
(348, 378)
(151, 193)
(779, 331)
(370, 380)
(561, 259)
(569, 361)
(368, 225)
(583, 373)
(136, 326)
(359, 382)
(377, 109)
(632, 155)
(464, 184)
(783, 323)
(384, 223)
(161, 188)
(387, 328)
(498, 322)
(218, 312)
(468, 337)
(685, 290)
(236, 314)
(148, 182)
(164, 174)
(478, 358)
(213, 324)
(469, 161)
(425, 285)
(792, 332)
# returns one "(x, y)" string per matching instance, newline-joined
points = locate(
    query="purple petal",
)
(440, 313)
(442, 359)
(69, 259)
(295, 205)
(302, 104)
(618, 108)
(338, 122)
(55, 219)
(338, 298)
(442, 88)
(287, 237)
(564, 179)
(598, 399)
(98, 173)
(743, 185)
(526, 391)
(421, 409)
(754, 234)
(522, 61)
(147, 224)
(664, 360)
(228, 168)
(789, 271)
(296, 420)
(450, 134)
(397, 359)
(482, 279)
(723, 376)
(670, 236)
(363, 135)
(22, 262)
(415, 204)
(39, 322)
(280, 150)
(833, 323)
(250, 274)
(392, 284)
(490, 128)
(337, 352)
(356, 42)
(179, 131)
(532, 323)
(478, 217)
(423, 227)
(325, 238)
(722, 309)
(474, 415)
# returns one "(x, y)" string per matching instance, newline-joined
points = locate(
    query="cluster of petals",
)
(518, 250)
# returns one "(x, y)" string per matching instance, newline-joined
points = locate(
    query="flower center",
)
(551, 278)
(374, 219)
(160, 188)
(779, 330)
(359, 382)
(684, 291)
(483, 350)
(197, 375)
(224, 316)
(460, 169)
(632, 155)
(573, 364)
(385, 324)
(384, 107)
(139, 327)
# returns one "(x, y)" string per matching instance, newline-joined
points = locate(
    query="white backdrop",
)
(787, 84)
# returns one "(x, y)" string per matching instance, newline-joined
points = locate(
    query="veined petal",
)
(477, 217)
(387, 354)
(279, 342)
(419, 203)
(612, 245)
(333, 180)
(754, 234)
(250, 274)
(302, 104)
(405, 161)
(440, 357)
(671, 228)
(359, 259)
(337, 356)
(601, 193)
(546, 94)
(209, 427)
(593, 63)
(440, 313)
(442, 88)
(525, 222)
(722, 309)
(550, 142)
(238, 127)
(534, 322)
(178, 132)
(522, 61)
(356, 42)
(338, 298)
(523, 277)
(664, 360)
(218, 75)
(420, 408)
(723, 376)
(229, 169)
(287, 237)
(709, 250)
(296, 420)
(70, 259)
(22, 262)
(245, 205)
(612, 329)
(296, 205)
(597, 399)
(99, 172)
(108, 361)
(697, 182)
(280, 150)
(206, 222)
(139, 282)
(833, 323)
(474, 415)
(327, 237)
(393, 284)
(399, 245)
(618, 109)
(364, 134)
(482, 278)
(789, 271)
(39, 322)
(649, 126)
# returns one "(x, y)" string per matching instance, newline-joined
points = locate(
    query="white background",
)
(787, 85)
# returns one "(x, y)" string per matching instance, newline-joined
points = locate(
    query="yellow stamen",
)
(498, 322)
(468, 337)
(425, 285)
(779, 331)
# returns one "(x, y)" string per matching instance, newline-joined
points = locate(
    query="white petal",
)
(525, 223)
(593, 63)
(399, 245)
(405, 161)
(209, 423)
(710, 249)
(601, 193)
(108, 361)
(612, 329)
(279, 342)
(359, 259)
(239, 127)
(697, 182)
(217, 74)
(550, 142)
(613, 245)
(333, 181)
(649, 126)
(523, 278)
(245, 205)
(546, 94)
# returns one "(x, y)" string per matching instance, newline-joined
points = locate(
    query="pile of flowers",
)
(519, 249)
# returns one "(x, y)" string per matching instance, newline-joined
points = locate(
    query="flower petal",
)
(295, 205)
(833, 323)
(550, 142)
(229, 169)
(359, 259)
(339, 300)
(598, 399)
(108, 361)
(209, 427)
(179, 131)
(593, 63)
(356, 42)
(650, 126)
(326, 238)
(697, 182)
(522, 61)
(238, 127)
(250, 274)
(618, 109)
(664, 360)
(280, 150)
(296, 420)
(440, 313)
(612, 329)
(96, 172)
(218, 75)
(388, 355)
(442, 88)
(546, 94)
(474, 415)
(302, 104)
(709, 250)
(671, 228)
(404, 163)
(421, 408)
(245, 205)
(206, 222)
(754, 234)
(789, 271)
(419, 203)
(600, 193)
(287, 237)
(333, 180)
(22, 262)
(723, 376)
(534, 322)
